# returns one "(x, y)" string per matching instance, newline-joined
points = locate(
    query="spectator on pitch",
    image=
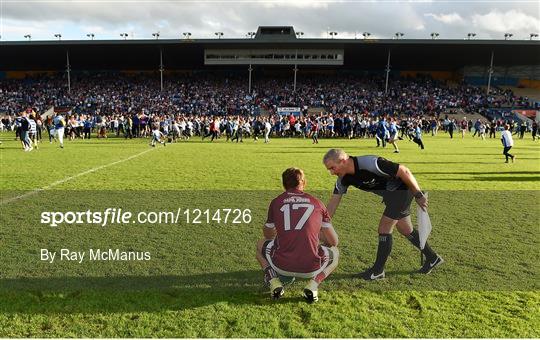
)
(314, 131)
(24, 128)
(393, 131)
(128, 127)
(157, 136)
(50, 128)
(507, 142)
(492, 129)
(451, 127)
(418, 136)
(87, 127)
(482, 130)
(476, 127)
(434, 126)
(59, 124)
(382, 131)
(17, 128)
(534, 130)
(330, 126)
(39, 127)
(464, 126)
(397, 186)
(72, 128)
(238, 130)
(215, 128)
(296, 223)
(32, 132)
(267, 130)
(522, 129)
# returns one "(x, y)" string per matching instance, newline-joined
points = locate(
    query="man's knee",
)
(335, 254)
(260, 245)
(405, 226)
(335, 259)
(386, 225)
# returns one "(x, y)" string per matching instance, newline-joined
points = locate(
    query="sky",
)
(382, 19)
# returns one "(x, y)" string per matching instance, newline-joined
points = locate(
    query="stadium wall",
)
(529, 83)
(439, 75)
(24, 74)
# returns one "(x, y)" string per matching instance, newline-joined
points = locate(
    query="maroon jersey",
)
(298, 218)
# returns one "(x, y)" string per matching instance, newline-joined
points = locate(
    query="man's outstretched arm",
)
(333, 204)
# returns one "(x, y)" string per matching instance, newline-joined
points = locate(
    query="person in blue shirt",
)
(393, 130)
(382, 131)
(59, 124)
(87, 127)
(418, 136)
(477, 127)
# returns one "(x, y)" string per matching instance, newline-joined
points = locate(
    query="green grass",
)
(203, 280)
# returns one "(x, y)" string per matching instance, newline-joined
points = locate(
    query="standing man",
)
(464, 125)
(59, 123)
(314, 130)
(492, 129)
(418, 136)
(508, 142)
(32, 132)
(451, 127)
(382, 130)
(290, 247)
(24, 129)
(267, 129)
(397, 186)
(393, 134)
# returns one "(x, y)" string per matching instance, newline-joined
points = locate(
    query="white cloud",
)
(512, 20)
(446, 18)
(236, 17)
(307, 4)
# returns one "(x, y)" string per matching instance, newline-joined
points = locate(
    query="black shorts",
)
(398, 203)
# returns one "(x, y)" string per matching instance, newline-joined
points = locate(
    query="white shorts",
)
(330, 255)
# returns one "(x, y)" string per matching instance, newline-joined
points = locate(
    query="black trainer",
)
(429, 265)
(276, 288)
(311, 296)
(370, 275)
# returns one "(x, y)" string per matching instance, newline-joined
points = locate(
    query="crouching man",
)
(291, 248)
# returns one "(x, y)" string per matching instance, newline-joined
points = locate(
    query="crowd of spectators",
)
(212, 105)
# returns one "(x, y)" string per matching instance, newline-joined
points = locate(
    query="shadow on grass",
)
(130, 293)
(450, 162)
(477, 173)
(497, 179)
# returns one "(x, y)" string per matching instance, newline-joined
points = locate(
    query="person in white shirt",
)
(508, 142)
(32, 132)
(267, 129)
(157, 136)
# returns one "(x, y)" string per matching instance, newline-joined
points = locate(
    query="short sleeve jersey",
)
(298, 218)
(371, 173)
(59, 122)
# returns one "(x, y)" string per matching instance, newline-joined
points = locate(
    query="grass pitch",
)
(203, 279)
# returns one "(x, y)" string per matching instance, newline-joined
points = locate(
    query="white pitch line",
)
(33, 192)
